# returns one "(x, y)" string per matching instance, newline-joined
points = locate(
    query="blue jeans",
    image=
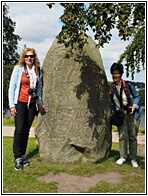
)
(23, 122)
(128, 135)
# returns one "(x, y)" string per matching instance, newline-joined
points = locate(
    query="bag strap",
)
(126, 88)
(119, 96)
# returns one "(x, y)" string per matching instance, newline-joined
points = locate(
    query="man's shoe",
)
(120, 161)
(25, 160)
(134, 163)
(18, 164)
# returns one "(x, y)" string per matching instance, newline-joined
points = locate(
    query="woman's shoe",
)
(18, 164)
(120, 161)
(25, 160)
(134, 163)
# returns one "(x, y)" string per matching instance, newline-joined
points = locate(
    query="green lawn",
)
(25, 181)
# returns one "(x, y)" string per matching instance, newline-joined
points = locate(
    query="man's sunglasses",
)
(31, 56)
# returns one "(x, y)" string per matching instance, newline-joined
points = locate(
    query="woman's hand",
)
(13, 111)
(41, 108)
(132, 109)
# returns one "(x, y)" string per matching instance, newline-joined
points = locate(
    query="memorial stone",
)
(75, 94)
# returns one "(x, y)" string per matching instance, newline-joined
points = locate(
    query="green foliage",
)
(10, 40)
(142, 96)
(10, 55)
(134, 54)
(26, 181)
(128, 18)
(7, 70)
(139, 84)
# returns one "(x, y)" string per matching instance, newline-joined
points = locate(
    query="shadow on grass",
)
(140, 159)
(33, 153)
(114, 154)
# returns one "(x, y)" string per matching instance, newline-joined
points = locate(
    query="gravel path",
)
(8, 131)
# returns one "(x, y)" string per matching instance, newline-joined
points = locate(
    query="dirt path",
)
(8, 131)
(67, 183)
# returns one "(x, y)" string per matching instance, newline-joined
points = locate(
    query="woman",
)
(25, 91)
(124, 95)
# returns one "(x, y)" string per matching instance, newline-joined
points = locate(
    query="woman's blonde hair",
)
(21, 60)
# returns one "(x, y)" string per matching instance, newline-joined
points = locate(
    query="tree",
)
(10, 55)
(142, 96)
(10, 40)
(128, 18)
(7, 70)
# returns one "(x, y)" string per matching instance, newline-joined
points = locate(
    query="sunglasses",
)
(31, 56)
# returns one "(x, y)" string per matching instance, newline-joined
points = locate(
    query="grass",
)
(141, 129)
(9, 121)
(25, 181)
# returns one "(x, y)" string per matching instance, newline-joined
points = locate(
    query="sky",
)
(38, 26)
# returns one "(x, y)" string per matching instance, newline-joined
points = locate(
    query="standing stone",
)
(75, 94)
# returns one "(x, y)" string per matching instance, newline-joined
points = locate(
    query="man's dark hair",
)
(117, 66)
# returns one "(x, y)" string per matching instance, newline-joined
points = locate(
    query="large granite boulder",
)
(75, 94)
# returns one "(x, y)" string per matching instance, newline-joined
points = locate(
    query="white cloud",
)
(35, 21)
(38, 26)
